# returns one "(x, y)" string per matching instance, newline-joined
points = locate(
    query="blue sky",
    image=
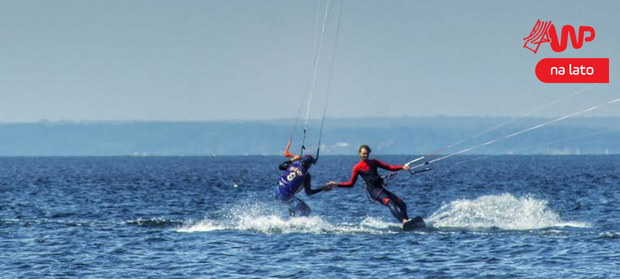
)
(215, 60)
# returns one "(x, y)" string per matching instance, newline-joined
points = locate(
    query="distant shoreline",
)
(406, 135)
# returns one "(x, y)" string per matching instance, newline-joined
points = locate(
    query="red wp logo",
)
(544, 32)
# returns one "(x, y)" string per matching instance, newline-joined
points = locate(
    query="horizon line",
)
(128, 121)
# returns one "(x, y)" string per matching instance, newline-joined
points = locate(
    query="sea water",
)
(215, 217)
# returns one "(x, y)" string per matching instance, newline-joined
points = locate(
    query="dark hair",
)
(364, 147)
(308, 160)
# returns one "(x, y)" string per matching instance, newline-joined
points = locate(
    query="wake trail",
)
(505, 212)
(267, 219)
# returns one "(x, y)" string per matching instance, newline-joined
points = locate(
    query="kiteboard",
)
(414, 224)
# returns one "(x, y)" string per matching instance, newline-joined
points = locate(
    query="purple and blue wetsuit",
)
(290, 183)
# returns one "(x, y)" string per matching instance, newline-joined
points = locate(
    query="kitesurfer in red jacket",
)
(375, 186)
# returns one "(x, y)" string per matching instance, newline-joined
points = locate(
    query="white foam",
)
(493, 211)
(272, 224)
(205, 225)
(499, 211)
(267, 218)
(276, 224)
(610, 235)
(371, 222)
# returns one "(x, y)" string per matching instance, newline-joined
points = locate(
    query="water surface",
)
(214, 217)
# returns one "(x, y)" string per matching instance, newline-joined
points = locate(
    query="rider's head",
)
(307, 161)
(364, 152)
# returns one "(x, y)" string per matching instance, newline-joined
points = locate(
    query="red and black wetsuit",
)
(368, 170)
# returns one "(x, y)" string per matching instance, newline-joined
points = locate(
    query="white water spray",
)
(262, 218)
(504, 211)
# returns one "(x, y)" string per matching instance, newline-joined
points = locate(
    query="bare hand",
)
(406, 167)
(295, 158)
(329, 186)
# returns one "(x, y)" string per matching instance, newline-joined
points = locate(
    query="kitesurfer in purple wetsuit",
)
(291, 181)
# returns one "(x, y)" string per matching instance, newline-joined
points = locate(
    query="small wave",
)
(63, 215)
(154, 222)
(273, 224)
(9, 221)
(46, 221)
(499, 211)
(609, 235)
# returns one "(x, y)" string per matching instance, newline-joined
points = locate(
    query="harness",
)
(384, 183)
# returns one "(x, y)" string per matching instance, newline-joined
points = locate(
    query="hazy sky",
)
(211, 60)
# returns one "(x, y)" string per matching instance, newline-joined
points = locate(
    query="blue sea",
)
(215, 217)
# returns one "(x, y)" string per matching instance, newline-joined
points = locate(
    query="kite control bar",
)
(412, 172)
(414, 160)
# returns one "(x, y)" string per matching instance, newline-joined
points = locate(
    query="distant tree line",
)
(341, 136)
